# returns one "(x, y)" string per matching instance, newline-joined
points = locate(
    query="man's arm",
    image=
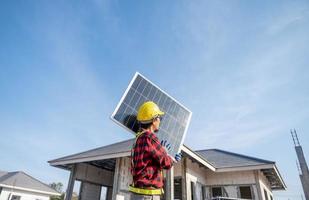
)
(158, 153)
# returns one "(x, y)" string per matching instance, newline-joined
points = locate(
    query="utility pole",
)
(302, 167)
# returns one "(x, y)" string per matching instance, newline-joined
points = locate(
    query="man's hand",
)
(166, 145)
(178, 157)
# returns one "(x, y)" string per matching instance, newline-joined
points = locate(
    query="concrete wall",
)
(230, 178)
(95, 175)
(90, 191)
(25, 195)
(92, 179)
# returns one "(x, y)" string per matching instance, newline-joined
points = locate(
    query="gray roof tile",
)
(2, 173)
(21, 179)
(225, 159)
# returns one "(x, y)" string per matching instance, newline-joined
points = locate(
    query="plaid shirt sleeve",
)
(158, 152)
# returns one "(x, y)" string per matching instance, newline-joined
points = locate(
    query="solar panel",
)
(175, 122)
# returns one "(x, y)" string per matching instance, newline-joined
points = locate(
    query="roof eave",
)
(244, 168)
(284, 187)
(58, 162)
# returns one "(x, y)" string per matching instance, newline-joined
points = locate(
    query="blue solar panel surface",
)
(175, 121)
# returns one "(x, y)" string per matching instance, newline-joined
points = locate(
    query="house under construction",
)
(201, 175)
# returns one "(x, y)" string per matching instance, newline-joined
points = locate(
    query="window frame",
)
(212, 195)
(245, 186)
(178, 185)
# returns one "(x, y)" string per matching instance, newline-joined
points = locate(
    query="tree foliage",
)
(58, 187)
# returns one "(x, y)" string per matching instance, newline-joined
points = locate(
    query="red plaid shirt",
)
(148, 160)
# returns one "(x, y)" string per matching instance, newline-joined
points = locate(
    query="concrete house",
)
(206, 174)
(21, 186)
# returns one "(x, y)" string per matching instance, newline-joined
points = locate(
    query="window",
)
(265, 195)
(192, 190)
(216, 192)
(177, 188)
(203, 192)
(103, 193)
(245, 192)
(15, 197)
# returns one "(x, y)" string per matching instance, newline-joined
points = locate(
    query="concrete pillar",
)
(70, 187)
(184, 178)
(258, 185)
(116, 178)
(169, 193)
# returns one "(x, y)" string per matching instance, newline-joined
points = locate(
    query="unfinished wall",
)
(91, 174)
(92, 179)
(230, 178)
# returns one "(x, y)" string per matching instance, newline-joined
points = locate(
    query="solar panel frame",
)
(157, 100)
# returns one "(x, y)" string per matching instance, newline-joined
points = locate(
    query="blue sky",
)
(240, 66)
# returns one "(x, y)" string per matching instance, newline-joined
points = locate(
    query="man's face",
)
(156, 124)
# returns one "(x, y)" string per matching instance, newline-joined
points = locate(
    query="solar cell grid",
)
(175, 121)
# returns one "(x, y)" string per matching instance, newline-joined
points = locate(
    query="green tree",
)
(58, 187)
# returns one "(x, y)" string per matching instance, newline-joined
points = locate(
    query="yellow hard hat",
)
(148, 111)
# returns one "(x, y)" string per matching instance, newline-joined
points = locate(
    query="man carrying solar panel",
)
(149, 156)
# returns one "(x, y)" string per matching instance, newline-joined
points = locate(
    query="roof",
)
(110, 151)
(224, 159)
(214, 159)
(23, 181)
